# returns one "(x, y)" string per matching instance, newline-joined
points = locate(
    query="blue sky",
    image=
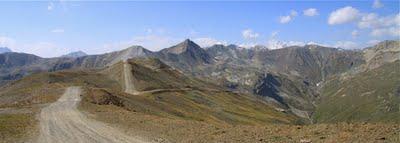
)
(53, 28)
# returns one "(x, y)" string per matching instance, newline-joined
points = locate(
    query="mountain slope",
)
(151, 73)
(164, 92)
(287, 77)
(314, 63)
(293, 95)
(383, 52)
(169, 93)
(374, 85)
(15, 65)
(230, 52)
(371, 96)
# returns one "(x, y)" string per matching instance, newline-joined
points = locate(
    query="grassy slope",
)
(16, 127)
(192, 131)
(190, 98)
(183, 102)
(150, 73)
(370, 96)
(47, 87)
(208, 106)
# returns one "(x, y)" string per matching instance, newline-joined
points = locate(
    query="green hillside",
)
(369, 96)
(168, 93)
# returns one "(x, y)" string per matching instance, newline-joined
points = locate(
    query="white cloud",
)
(57, 31)
(381, 26)
(368, 21)
(377, 4)
(378, 25)
(249, 34)
(373, 20)
(354, 33)
(310, 12)
(317, 43)
(391, 31)
(288, 18)
(285, 19)
(343, 15)
(346, 45)
(276, 44)
(207, 42)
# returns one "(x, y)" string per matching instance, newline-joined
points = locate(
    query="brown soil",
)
(163, 129)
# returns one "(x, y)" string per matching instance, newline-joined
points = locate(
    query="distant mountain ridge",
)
(289, 78)
(312, 62)
(75, 54)
(4, 50)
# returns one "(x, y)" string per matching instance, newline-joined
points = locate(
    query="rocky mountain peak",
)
(75, 54)
(131, 52)
(136, 50)
(184, 46)
(384, 52)
(386, 45)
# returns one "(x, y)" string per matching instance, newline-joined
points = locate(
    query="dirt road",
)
(63, 122)
(129, 87)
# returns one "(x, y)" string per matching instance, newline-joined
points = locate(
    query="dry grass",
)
(17, 127)
(178, 130)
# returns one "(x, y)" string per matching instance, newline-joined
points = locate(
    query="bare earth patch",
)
(62, 122)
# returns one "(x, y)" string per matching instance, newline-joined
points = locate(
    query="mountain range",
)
(299, 80)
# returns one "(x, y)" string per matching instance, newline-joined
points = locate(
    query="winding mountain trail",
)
(62, 122)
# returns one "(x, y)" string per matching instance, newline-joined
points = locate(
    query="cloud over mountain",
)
(343, 15)
(249, 34)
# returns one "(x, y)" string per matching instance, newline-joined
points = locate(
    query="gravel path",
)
(63, 122)
(129, 87)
